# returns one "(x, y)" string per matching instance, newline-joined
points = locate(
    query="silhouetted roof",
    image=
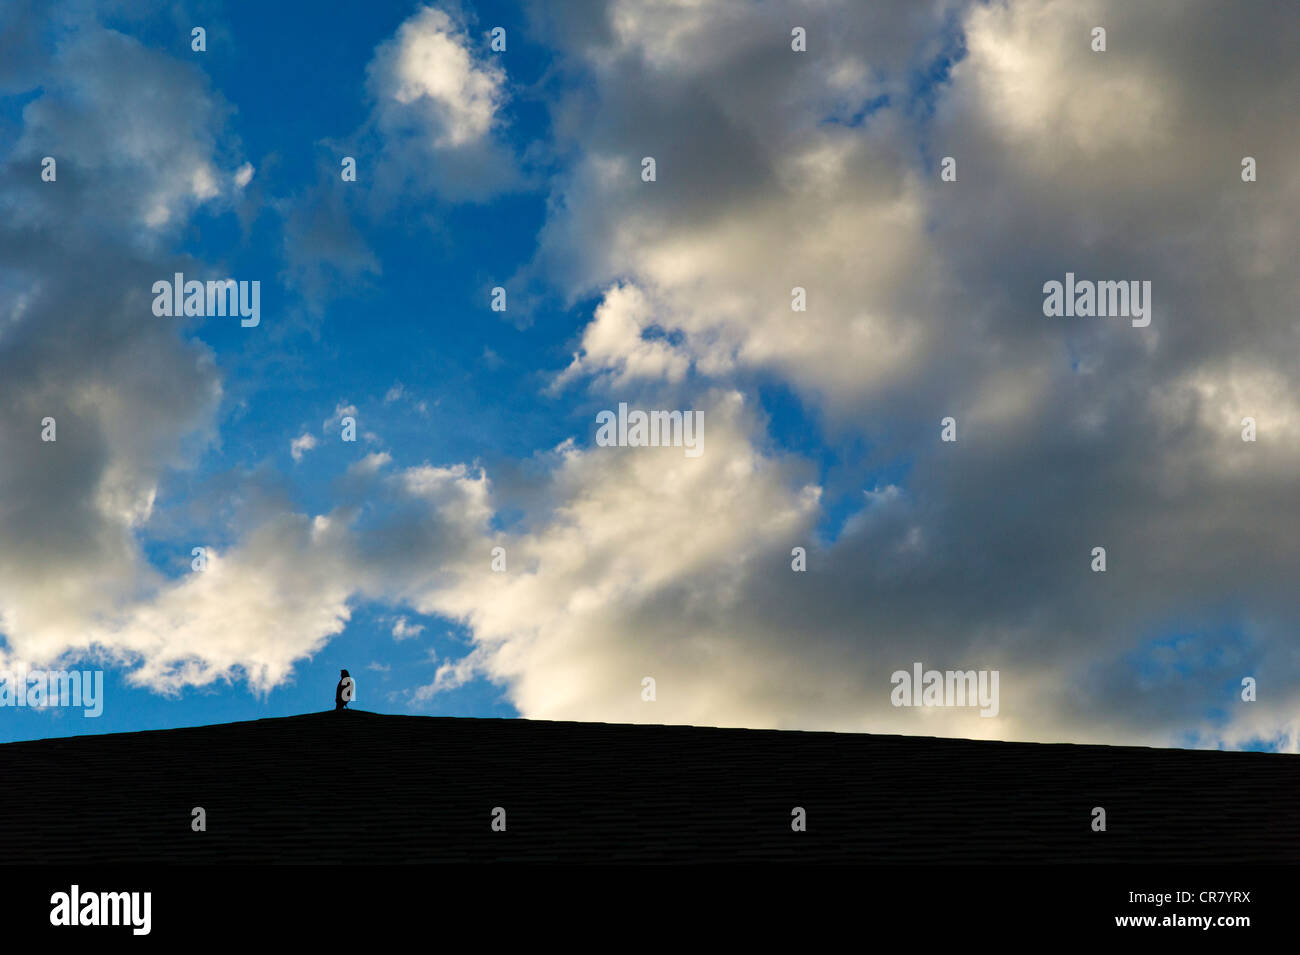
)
(365, 788)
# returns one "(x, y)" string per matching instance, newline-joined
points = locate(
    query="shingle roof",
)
(366, 788)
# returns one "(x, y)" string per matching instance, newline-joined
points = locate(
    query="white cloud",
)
(438, 108)
(615, 342)
(255, 612)
(402, 630)
(923, 301)
(301, 445)
(427, 69)
(105, 87)
(341, 411)
(132, 399)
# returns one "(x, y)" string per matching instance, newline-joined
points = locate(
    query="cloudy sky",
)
(775, 168)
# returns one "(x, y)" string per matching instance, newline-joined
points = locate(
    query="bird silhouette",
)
(343, 692)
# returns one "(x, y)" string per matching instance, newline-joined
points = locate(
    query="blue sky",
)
(423, 327)
(777, 167)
